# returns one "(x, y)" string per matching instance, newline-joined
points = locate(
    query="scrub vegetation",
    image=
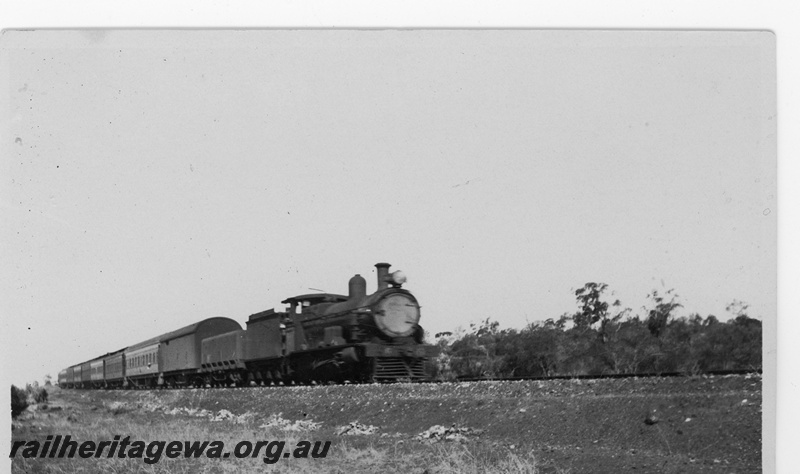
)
(605, 338)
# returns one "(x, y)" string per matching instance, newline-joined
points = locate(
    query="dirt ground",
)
(690, 424)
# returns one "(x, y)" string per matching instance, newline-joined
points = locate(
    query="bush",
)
(41, 395)
(19, 401)
(36, 393)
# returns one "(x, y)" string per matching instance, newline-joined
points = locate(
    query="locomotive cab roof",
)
(315, 298)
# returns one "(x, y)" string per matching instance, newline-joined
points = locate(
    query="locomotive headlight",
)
(398, 277)
(397, 315)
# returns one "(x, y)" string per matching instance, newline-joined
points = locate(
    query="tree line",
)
(601, 338)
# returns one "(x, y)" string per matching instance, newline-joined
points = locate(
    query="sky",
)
(152, 179)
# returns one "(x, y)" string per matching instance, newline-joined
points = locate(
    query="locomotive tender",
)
(321, 337)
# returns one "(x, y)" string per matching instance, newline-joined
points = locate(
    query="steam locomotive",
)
(320, 337)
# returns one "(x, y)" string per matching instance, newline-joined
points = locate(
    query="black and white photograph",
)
(433, 250)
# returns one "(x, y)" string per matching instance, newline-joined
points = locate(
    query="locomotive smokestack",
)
(383, 273)
(357, 287)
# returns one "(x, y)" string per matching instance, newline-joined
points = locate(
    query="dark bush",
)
(40, 396)
(19, 401)
(36, 393)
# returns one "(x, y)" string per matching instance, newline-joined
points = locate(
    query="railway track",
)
(501, 379)
(606, 376)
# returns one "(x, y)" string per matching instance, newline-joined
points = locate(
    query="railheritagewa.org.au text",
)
(58, 446)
